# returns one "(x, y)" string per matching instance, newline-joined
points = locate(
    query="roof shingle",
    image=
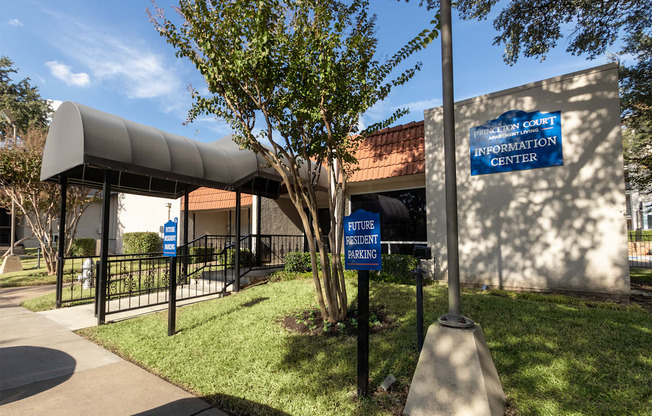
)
(391, 152)
(208, 199)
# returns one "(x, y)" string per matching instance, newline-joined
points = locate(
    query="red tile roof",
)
(394, 151)
(391, 152)
(204, 199)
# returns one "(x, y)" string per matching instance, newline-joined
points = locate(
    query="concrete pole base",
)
(455, 376)
(11, 263)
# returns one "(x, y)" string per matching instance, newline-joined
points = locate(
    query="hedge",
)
(297, 262)
(640, 235)
(141, 242)
(397, 268)
(82, 247)
(201, 254)
(247, 257)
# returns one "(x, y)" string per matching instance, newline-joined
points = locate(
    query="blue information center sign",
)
(362, 241)
(517, 141)
(170, 238)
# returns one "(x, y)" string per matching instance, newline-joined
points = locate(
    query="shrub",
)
(247, 257)
(640, 235)
(141, 242)
(282, 275)
(83, 247)
(297, 262)
(397, 268)
(201, 254)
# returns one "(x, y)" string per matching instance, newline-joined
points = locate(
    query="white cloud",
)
(64, 73)
(15, 22)
(121, 62)
(55, 104)
(420, 106)
(139, 73)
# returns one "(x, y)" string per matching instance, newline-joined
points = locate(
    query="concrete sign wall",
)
(561, 227)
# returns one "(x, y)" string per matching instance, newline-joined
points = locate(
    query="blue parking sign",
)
(362, 241)
(170, 239)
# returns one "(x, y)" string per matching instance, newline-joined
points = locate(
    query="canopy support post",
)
(259, 242)
(186, 250)
(63, 181)
(104, 250)
(236, 257)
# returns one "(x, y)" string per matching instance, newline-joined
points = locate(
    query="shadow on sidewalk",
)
(26, 371)
(236, 404)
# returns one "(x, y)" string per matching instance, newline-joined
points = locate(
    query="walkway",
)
(47, 370)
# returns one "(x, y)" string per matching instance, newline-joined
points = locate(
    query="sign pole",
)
(363, 333)
(362, 253)
(419, 276)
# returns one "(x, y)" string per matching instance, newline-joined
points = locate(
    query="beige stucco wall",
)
(217, 223)
(137, 213)
(279, 217)
(551, 228)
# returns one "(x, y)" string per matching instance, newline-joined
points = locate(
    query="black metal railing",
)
(141, 280)
(133, 283)
(639, 249)
(257, 251)
(80, 276)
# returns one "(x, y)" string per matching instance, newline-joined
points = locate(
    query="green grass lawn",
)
(29, 276)
(642, 275)
(553, 357)
(49, 301)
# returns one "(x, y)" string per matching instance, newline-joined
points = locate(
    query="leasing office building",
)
(541, 192)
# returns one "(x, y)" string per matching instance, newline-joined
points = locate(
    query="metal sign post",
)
(362, 253)
(170, 250)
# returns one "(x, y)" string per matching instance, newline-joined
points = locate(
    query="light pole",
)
(11, 262)
(454, 317)
(8, 115)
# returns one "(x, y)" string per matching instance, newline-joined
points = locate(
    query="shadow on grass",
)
(324, 364)
(565, 359)
(254, 302)
(551, 358)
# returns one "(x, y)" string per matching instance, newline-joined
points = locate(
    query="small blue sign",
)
(362, 241)
(170, 239)
(517, 141)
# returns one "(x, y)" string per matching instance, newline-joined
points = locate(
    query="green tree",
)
(36, 201)
(533, 27)
(20, 167)
(307, 70)
(636, 105)
(23, 99)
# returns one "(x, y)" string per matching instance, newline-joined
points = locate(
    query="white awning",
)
(84, 143)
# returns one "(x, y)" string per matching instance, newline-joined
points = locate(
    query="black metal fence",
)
(80, 276)
(205, 267)
(256, 250)
(639, 249)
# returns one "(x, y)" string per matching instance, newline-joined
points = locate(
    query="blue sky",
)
(107, 55)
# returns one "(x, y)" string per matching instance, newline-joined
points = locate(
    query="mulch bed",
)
(310, 322)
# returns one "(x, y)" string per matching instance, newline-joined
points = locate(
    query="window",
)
(402, 216)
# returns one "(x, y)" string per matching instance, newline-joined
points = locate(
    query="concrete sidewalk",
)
(46, 369)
